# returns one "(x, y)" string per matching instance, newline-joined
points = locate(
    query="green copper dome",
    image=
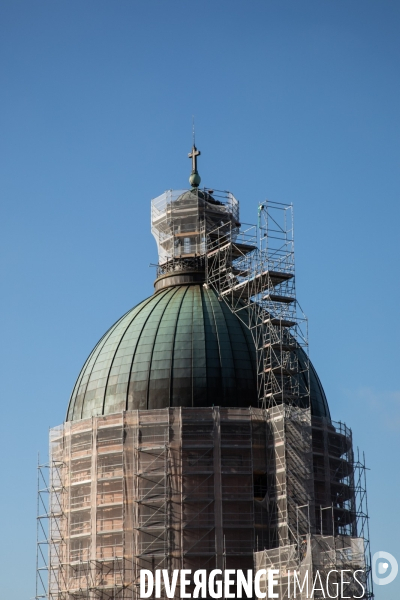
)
(180, 347)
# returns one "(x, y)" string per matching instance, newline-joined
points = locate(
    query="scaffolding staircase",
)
(252, 270)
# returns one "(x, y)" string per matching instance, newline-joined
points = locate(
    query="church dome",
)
(180, 347)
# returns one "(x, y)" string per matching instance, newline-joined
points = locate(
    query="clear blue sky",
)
(294, 101)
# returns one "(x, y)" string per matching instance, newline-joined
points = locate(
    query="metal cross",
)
(193, 155)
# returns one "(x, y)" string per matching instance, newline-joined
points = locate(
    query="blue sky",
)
(294, 101)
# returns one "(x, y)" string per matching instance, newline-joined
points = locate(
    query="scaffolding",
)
(42, 531)
(181, 220)
(252, 270)
(341, 538)
(315, 570)
(205, 488)
(84, 557)
(164, 489)
(313, 482)
(194, 488)
(315, 539)
(290, 476)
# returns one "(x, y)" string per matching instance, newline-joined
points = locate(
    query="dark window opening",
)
(260, 485)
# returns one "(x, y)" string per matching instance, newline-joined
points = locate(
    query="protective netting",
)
(162, 489)
(181, 219)
(198, 488)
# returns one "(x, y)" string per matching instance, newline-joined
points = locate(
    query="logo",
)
(384, 563)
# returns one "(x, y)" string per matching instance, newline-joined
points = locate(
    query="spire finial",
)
(193, 155)
(194, 178)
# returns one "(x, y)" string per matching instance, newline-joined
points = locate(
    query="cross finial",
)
(193, 155)
(194, 178)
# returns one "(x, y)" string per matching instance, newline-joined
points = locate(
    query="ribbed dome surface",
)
(180, 347)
